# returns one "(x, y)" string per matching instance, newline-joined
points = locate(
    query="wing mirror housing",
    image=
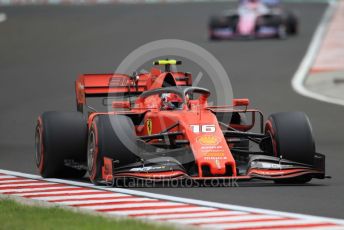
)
(241, 102)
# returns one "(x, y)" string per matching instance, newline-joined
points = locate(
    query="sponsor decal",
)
(214, 154)
(208, 140)
(148, 168)
(268, 165)
(149, 125)
(211, 147)
(215, 158)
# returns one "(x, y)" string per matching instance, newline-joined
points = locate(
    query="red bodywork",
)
(197, 123)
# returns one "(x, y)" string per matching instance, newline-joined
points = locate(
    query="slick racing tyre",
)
(215, 23)
(292, 23)
(218, 22)
(60, 136)
(113, 137)
(291, 137)
(222, 22)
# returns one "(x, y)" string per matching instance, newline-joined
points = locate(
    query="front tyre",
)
(291, 139)
(94, 160)
(113, 137)
(292, 24)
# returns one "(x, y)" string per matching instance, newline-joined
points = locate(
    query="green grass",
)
(15, 215)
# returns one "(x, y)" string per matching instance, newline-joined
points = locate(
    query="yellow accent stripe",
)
(167, 62)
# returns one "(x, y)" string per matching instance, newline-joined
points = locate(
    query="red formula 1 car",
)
(160, 127)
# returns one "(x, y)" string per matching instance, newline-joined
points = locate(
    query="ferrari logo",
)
(149, 124)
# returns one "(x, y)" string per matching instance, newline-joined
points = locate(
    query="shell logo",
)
(208, 140)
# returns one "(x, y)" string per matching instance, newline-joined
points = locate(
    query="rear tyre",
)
(60, 136)
(113, 137)
(291, 139)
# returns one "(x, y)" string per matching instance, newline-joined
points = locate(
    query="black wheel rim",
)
(38, 146)
(91, 150)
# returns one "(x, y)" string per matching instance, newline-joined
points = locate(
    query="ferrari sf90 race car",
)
(160, 127)
(253, 19)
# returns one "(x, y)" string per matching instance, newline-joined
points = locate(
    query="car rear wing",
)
(106, 85)
(89, 85)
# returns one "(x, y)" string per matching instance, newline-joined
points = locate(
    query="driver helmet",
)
(253, 1)
(171, 101)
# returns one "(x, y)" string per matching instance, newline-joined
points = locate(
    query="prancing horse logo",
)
(149, 126)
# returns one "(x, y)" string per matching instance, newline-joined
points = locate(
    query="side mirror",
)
(121, 104)
(241, 102)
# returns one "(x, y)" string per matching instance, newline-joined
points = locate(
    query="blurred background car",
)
(254, 19)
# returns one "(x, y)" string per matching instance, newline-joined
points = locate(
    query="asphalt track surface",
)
(44, 48)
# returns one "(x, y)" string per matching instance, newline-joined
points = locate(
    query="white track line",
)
(93, 197)
(160, 211)
(27, 191)
(11, 181)
(177, 199)
(302, 72)
(132, 205)
(195, 215)
(314, 228)
(25, 185)
(261, 224)
(224, 219)
(88, 196)
(132, 199)
(7, 177)
(54, 193)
